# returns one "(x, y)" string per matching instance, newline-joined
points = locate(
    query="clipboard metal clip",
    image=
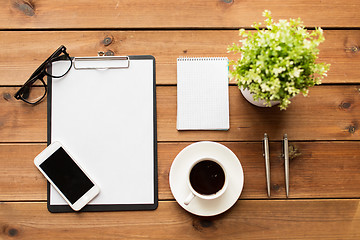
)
(101, 62)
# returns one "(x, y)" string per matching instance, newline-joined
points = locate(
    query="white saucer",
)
(178, 178)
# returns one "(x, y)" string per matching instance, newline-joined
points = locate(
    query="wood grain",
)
(322, 164)
(317, 169)
(19, 178)
(22, 55)
(315, 172)
(328, 113)
(20, 14)
(283, 219)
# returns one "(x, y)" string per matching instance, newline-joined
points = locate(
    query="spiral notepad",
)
(202, 93)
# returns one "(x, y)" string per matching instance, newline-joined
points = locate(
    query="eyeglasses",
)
(34, 90)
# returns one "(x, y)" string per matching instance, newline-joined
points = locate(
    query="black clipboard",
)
(123, 80)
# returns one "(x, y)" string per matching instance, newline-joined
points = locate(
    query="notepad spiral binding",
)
(193, 59)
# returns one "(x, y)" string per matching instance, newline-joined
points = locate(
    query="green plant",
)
(278, 62)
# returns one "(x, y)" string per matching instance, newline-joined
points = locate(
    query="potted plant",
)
(278, 62)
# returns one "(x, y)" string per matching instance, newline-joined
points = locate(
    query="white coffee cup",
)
(209, 196)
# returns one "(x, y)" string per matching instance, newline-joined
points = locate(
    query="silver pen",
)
(286, 160)
(267, 162)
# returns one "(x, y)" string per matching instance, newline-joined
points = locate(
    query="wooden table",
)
(323, 129)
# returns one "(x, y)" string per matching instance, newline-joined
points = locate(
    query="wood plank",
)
(20, 14)
(20, 179)
(317, 169)
(328, 113)
(24, 55)
(315, 172)
(19, 120)
(284, 219)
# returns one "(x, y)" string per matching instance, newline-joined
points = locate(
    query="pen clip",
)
(265, 145)
(285, 149)
(267, 162)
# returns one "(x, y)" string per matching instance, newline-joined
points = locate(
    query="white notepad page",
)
(202, 93)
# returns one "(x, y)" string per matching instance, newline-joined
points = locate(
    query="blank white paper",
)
(104, 118)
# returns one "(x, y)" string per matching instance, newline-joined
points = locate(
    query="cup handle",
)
(189, 198)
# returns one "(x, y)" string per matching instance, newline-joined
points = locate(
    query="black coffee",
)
(207, 177)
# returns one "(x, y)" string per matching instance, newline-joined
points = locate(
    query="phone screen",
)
(66, 175)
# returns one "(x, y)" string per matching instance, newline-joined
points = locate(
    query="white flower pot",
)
(260, 103)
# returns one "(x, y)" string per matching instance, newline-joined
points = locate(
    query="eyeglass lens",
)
(58, 66)
(34, 92)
